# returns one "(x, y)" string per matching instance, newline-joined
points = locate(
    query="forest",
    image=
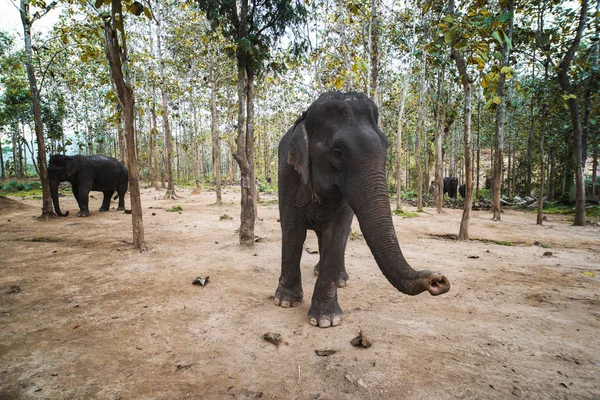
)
(173, 292)
(503, 95)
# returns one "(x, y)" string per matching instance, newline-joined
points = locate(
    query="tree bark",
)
(500, 119)
(461, 65)
(214, 128)
(418, 134)
(47, 211)
(578, 151)
(126, 98)
(375, 28)
(168, 144)
(439, 135)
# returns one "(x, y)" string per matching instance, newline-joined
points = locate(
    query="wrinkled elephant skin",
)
(332, 167)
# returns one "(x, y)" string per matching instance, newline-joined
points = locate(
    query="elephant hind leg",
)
(121, 193)
(106, 202)
(343, 276)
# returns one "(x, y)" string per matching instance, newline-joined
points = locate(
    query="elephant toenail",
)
(336, 321)
(285, 304)
(324, 323)
(276, 300)
(313, 321)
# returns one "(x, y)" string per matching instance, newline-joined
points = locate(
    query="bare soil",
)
(84, 316)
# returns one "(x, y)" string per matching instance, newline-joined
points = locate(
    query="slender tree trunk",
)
(500, 120)
(418, 134)
(439, 134)
(168, 143)
(461, 65)
(405, 86)
(2, 161)
(214, 127)
(375, 28)
(47, 210)
(126, 98)
(578, 151)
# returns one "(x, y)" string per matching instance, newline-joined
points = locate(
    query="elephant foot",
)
(342, 280)
(83, 214)
(103, 209)
(325, 316)
(120, 208)
(287, 298)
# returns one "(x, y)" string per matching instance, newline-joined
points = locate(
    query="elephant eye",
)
(337, 153)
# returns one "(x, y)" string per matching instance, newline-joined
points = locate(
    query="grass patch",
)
(405, 214)
(451, 236)
(176, 208)
(356, 235)
(268, 202)
(225, 217)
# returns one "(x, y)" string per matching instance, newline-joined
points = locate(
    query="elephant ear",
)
(298, 153)
(71, 166)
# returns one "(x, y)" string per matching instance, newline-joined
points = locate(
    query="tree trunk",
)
(375, 28)
(406, 84)
(214, 128)
(500, 119)
(126, 98)
(578, 151)
(168, 144)
(418, 134)
(461, 65)
(439, 135)
(3, 175)
(37, 112)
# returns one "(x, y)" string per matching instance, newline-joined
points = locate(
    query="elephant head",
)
(61, 168)
(340, 154)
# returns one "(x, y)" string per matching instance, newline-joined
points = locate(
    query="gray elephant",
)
(85, 173)
(450, 186)
(332, 166)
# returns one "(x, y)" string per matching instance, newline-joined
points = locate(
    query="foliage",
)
(405, 214)
(176, 208)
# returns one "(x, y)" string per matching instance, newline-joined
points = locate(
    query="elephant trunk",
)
(368, 197)
(54, 192)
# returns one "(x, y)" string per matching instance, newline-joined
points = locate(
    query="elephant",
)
(462, 189)
(450, 185)
(332, 167)
(86, 173)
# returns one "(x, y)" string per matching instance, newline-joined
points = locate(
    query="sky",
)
(11, 21)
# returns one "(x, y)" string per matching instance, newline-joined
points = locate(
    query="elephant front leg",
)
(325, 310)
(289, 292)
(83, 198)
(343, 278)
(106, 202)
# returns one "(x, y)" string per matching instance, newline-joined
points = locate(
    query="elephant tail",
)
(116, 195)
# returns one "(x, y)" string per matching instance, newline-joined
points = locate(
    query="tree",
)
(116, 56)
(253, 27)
(500, 99)
(569, 91)
(27, 22)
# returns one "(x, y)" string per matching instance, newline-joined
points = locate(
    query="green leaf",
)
(426, 8)
(98, 3)
(496, 100)
(147, 13)
(507, 39)
(496, 36)
(505, 70)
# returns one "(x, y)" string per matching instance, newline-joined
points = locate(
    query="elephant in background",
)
(450, 186)
(85, 173)
(462, 190)
(331, 167)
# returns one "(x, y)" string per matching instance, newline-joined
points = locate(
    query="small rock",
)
(153, 213)
(200, 281)
(14, 289)
(547, 254)
(325, 353)
(272, 337)
(362, 340)
(361, 383)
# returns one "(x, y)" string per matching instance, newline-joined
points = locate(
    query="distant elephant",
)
(450, 185)
(331, 166)
(86, 173)
(462, 189)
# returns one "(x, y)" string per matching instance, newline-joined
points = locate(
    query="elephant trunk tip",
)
(437, 284)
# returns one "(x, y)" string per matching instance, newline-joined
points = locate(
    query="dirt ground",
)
(83, 316)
